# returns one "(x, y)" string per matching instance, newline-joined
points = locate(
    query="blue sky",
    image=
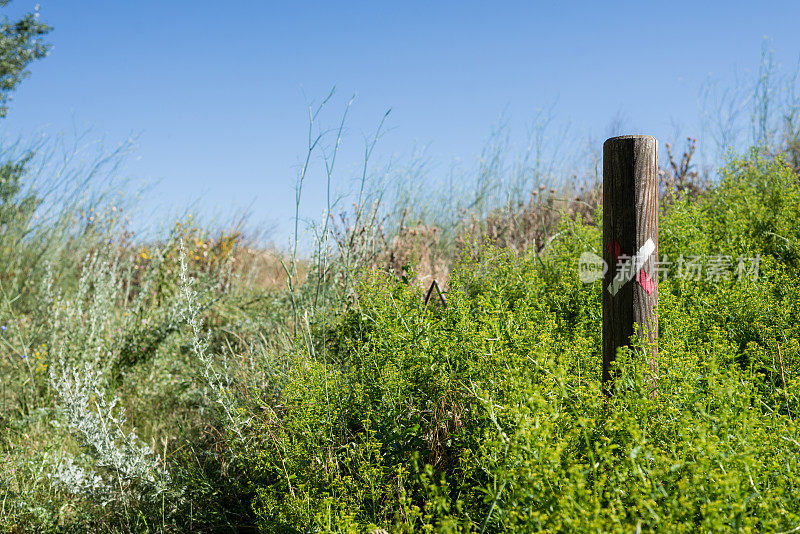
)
(216, 93)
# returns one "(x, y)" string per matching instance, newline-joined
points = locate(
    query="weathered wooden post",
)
(630, 248)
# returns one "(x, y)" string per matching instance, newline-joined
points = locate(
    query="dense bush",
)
(488, 414)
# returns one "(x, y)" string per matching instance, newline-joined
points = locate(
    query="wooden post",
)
(630, 248)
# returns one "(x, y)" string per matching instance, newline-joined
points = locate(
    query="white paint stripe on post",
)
(627, 272)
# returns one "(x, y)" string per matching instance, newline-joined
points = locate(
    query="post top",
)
(620, 137)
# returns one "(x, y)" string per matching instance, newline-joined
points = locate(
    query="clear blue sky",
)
(217, 92)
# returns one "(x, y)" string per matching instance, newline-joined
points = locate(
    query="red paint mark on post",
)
(646, 282)
(630, 267)
(615, 250)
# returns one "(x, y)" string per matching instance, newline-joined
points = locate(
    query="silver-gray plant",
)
(127, 469)
(218, 381)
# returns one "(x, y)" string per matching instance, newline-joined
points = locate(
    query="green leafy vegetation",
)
(382, 412)
(488, 414)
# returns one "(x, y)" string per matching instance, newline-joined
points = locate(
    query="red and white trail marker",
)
(632, 265)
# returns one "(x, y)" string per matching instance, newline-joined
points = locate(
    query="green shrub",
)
(488, 414)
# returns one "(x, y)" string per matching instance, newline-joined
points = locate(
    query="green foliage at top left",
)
(20, 44)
